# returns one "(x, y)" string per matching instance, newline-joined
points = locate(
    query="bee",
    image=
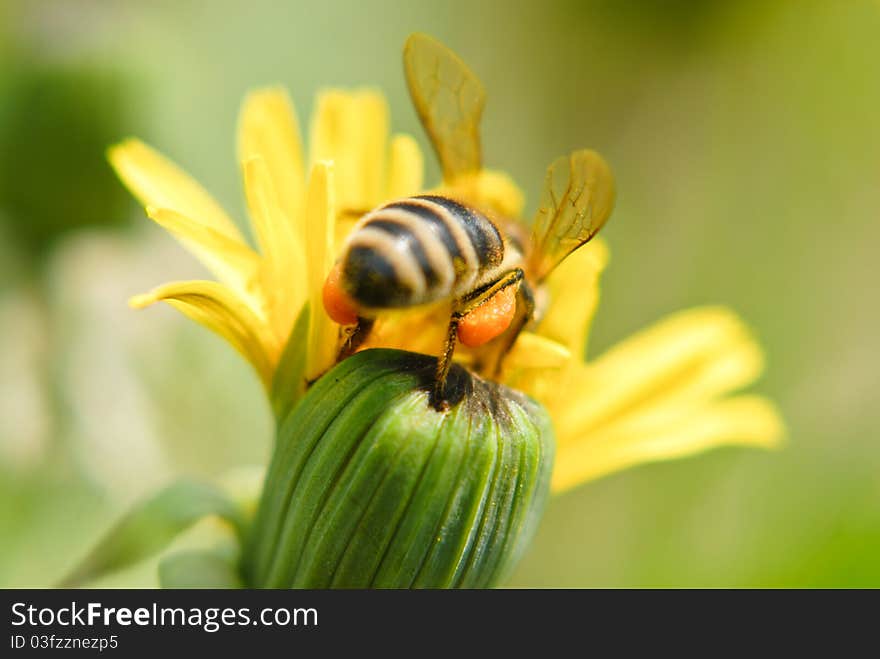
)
(443, 247)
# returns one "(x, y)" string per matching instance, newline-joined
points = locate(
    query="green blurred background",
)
(745, 137)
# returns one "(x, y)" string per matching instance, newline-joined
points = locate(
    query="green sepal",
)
(371, 486)
(151, 526)
(333, 400)
(289, 383)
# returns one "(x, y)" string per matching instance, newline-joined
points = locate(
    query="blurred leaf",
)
(55, 124)
(151, 526)
(679, 23)
(206, 568)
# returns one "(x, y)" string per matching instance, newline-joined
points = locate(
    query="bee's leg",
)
(485, 293)
(444, 362)
(355, 338)
(460, 309)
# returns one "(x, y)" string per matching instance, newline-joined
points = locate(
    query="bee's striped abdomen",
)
(418, 250)
(481, 233)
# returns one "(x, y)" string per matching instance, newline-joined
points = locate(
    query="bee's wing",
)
(449, 100)
(577, 200)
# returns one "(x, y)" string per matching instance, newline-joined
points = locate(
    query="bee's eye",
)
(489, 319)
(338, 305)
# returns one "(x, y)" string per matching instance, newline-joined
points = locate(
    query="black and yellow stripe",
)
(419, 250)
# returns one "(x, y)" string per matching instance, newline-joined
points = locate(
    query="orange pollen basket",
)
(338, 305)
(489, 319)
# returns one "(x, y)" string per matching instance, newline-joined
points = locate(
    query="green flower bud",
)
(371, 487)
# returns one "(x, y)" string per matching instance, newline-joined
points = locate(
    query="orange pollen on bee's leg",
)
(489, 319)
(338, 305)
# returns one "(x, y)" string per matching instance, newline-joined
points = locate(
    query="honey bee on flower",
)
(445, 247)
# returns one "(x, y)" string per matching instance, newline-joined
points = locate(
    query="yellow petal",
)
(285, 283)
(536, 365)
(574, 296)
(534, 351)
(498, 191)
(406, 168)
(418, 330)
(216, 307)
(488, 189)
(689, 357)
(231, 261)
(345, 222)
(320, 218)
(351, 130)
(268, 128)
(158, 182)
(636, 439)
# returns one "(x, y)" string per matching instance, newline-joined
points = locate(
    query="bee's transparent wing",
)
(577, 200)
(449, 100)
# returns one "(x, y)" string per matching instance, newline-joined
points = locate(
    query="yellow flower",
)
(660, 394)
